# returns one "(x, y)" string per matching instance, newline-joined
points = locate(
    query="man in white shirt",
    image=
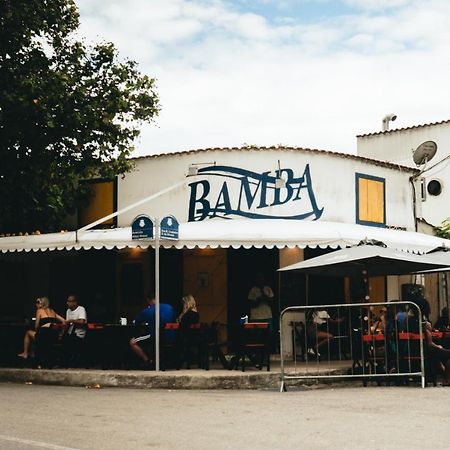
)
(76, 320)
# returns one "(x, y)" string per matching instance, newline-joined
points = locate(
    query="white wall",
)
(397, 147)
(332, 182)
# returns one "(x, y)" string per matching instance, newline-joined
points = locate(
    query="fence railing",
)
(352, 341)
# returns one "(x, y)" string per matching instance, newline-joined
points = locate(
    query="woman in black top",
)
(45, 317)
(189, 315)
(188, 337)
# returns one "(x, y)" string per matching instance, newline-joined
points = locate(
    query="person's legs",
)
(323, 338)
(135, 345)
(447, 373)
(27, 340)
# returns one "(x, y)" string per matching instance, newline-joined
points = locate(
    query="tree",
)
(68, 112)
(444, 229)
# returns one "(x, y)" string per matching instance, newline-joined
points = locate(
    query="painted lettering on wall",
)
(244, 193)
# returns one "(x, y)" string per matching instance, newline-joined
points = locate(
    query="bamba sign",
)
(244, 193)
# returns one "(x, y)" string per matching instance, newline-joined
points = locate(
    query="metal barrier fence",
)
(352, 341)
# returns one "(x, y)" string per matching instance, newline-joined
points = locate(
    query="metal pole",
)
(157, 294)
(446, 288)
(306, 289)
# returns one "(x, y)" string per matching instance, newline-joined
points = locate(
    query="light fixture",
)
(192, 171)
(194, 168)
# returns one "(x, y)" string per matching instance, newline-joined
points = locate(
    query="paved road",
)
(53, 417)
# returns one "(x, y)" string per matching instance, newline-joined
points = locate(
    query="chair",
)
(169, 344)
(48, 345)
(94, 345)
(212, 348)
(299, 339)
(254, 345)
(192, 345)
(410, 359)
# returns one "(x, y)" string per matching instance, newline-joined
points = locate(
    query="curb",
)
(141, 379)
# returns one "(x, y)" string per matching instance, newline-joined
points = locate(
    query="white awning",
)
(231, 233)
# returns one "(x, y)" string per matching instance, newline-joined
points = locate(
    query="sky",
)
(301, 73)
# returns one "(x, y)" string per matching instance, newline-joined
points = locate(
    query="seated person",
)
(318, 330)
(379, 323)
(439, 353)
(189, 314)
(401, 318)
(443, 322)
(188, 337)
(45, 317)
(76, 320)
(143, 346)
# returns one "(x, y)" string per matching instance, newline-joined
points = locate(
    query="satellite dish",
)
(424, 152)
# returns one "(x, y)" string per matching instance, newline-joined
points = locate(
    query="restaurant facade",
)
(241, 211)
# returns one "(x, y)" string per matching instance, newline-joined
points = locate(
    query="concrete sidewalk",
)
(171, 379)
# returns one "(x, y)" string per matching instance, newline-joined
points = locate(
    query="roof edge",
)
(376, 133)
(280, 148)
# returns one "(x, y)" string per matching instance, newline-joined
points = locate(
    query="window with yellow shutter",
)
(370, 200)
(102, 203)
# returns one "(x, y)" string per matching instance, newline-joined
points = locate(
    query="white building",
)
(241, 211)
(433, 184)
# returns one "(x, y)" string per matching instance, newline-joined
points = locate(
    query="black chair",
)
(212, 346)
(253, 346)
(48, 346)
(169, 345)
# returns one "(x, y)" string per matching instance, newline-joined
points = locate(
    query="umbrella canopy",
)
(374, 259)
(440, 255)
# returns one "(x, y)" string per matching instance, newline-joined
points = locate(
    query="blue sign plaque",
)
(169, 228)
(142, 227)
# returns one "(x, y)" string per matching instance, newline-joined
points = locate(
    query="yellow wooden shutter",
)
(371, 200)
(101, 204)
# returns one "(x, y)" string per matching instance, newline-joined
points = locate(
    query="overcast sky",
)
(305, 73)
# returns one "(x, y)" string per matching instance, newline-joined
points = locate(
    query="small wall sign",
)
(169, 228)
(142, 227)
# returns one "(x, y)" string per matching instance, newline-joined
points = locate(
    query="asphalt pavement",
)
(331, 417)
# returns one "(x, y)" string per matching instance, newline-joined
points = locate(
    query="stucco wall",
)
(328, 180)
(397, 147)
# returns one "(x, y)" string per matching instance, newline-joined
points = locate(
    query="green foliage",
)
(444, 229)
(68, 112)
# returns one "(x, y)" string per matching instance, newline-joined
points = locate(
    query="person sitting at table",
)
(379, 323)
(188, 316)
(76, 320)
(143, 346)
(438, 353)
(318, 330)
(443, 322)
(45, 317)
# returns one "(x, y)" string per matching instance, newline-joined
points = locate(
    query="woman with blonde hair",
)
(189, 314)
(45, 317)
(188, 337)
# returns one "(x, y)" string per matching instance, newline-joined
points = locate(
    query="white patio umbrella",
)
(367, 258)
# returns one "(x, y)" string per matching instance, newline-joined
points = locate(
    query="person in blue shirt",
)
(143, 346)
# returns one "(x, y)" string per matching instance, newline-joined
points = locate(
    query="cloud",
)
(228, 76)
